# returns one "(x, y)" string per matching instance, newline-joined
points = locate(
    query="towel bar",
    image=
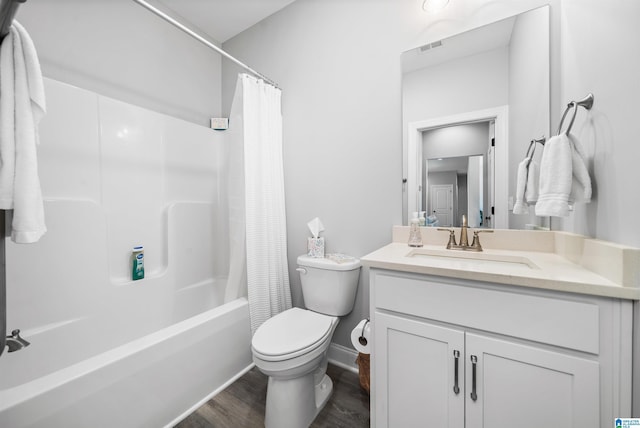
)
(586, 102)
(532, 145)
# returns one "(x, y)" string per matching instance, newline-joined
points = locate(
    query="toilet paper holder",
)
(363, 340)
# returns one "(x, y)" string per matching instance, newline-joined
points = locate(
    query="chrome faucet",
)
(15, 342)
(464, 237)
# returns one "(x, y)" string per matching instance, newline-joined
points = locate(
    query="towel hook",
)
(586, 102)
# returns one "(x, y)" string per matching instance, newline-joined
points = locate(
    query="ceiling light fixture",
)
(433, 6)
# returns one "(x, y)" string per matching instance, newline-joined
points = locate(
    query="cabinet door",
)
(527, 387)
(415, 374)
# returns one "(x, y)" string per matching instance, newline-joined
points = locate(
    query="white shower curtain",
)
(259, 118)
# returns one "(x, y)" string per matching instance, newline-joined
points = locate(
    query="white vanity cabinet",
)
(461, 353)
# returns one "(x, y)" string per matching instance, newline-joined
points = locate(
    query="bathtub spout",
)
(15, 342)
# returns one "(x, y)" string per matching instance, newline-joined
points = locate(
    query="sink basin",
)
(464, 259)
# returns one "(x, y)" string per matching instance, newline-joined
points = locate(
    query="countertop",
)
(557, 261)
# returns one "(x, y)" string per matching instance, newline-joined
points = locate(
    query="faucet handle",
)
(15, 334)
(475, 245)
(452, 237)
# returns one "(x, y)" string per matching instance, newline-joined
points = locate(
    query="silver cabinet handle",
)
(474, 362)
(456, 357)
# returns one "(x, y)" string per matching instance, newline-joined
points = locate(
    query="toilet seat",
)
(291, 333)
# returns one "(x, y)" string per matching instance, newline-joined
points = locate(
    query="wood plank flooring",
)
(241, 405)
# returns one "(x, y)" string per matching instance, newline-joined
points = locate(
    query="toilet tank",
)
(329, 284)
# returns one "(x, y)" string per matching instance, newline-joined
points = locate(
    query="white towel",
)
(521, 207)
(22, 106)
(533, 180)
(562, 169)
(526, 186)
(555, 177)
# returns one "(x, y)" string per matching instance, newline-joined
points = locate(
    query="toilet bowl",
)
(292, 347)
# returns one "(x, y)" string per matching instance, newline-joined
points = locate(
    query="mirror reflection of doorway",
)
(460, 156)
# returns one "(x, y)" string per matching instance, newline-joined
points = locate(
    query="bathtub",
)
(152, 381)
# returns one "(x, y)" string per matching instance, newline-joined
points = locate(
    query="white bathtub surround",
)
(266, 236)
(22, 106)
(105, 349)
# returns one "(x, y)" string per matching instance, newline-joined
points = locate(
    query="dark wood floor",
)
(242, 404)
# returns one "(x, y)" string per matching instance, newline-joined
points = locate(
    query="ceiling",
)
(220, 19)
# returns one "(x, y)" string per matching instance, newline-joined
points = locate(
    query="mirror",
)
(455, 174)
(476, 99)
(449, 193)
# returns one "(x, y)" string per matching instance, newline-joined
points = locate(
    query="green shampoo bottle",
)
(137, 263)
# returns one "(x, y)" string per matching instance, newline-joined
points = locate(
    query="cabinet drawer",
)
(564, 323)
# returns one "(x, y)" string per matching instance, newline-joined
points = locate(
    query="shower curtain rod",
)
(202, 40)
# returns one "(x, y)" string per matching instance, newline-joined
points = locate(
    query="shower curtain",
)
(257, 224)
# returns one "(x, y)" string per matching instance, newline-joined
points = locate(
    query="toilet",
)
(291, 347)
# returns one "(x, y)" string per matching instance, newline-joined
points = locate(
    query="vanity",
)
(535, 331)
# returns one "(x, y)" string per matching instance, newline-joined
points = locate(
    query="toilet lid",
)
(290, 331)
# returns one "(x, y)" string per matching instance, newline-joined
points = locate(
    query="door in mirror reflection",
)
(441, 201)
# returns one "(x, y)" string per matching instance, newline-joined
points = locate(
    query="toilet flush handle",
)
(302, 271)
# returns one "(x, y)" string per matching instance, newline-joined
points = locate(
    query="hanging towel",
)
(22, 106)
(555, 177)
(533, 180)
(521, 207)
(563, 176)
(526, 186)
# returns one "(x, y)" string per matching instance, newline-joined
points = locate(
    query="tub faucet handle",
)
(16, 335)
(15, 342)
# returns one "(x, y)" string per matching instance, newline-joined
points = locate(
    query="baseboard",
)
(210, 396)
(343, 357)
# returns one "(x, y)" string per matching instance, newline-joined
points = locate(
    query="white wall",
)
(528, 96)
(605, 62)
(119, 49)
(338, 63)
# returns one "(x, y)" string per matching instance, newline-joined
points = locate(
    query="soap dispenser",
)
(415, 236)
(422, 218)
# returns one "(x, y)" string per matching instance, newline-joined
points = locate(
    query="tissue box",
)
(315, 247)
